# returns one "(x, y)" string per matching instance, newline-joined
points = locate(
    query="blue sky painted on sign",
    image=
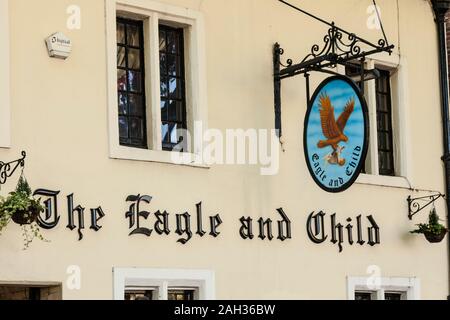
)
(340, 92)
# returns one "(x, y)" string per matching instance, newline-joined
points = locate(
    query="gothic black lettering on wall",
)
(135, 214)
(162, 223)
(284, 226)
(184, 223)
(316, 229)
(319, 228)
(49, 218)
(184, 227)
(265, 227)
(246, 230)
(96, 215)
(216, 221)
(79, 212)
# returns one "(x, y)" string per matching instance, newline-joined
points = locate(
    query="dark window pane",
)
(133, 35)
(164, 87)
(382, 102)
(174, 111)
(135, 81)
(383, 121)
(138, 295)
(363, 296)
(123, 127)
(121, 80)
(136, 105)
(136, 128)
(382, 84)
(173, 134)
(130, 84)
(383, 141)
(163, 64)
(121, 33)
(121, 62)
(165, 132)
(382, 159)
(172, 85)
(175, 88)
(173, 65)
(384, 124)
(393, 296)
(164, 110)
(123, 104)
(162, 40)
(134, 59)
(173, 42)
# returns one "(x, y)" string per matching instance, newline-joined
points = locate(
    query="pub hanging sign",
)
(336, 134)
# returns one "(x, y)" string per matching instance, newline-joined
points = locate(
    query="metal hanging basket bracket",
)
(415, 205)
(8, 169)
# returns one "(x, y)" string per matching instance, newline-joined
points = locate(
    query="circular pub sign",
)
(336, 134)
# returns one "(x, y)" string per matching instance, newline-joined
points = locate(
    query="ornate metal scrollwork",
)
(339, 47)
(415, 205)
(280, 52)
(8, 169)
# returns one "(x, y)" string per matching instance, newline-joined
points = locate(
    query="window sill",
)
(384, 181)
(135, 154)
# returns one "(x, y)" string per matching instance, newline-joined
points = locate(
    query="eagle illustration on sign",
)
(332, 130)
(336, 150)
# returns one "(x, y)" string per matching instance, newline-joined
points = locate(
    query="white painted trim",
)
(384, 181)
(202, 280)
(5, 102)
(152, 12)
(410, 286)
(371, 99)
(125, 153)
(400, 121)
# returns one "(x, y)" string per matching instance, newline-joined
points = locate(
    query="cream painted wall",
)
(59, 116)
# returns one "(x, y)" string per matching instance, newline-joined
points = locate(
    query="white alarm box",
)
(59, 46)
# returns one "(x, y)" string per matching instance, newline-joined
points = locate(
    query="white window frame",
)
(5, 107)
(409, 287)
(162, 280)
(152, 12)
(400, 124)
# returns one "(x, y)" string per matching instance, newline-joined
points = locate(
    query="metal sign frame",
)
(339, 47)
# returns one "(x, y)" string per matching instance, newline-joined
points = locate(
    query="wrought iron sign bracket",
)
(340, 47)
(415, 205)
(8, 169)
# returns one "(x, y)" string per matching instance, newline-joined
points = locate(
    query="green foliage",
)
(21, 202)
(23, 187)
(433, 226)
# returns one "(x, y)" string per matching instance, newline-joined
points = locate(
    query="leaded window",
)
(384, 125)
(173, 87)
(385, 146)
(131, 83)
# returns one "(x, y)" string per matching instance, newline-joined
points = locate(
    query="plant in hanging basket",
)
(434, 231)
(22, 208)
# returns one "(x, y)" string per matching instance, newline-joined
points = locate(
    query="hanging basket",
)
(435, 238)
(25, 217)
